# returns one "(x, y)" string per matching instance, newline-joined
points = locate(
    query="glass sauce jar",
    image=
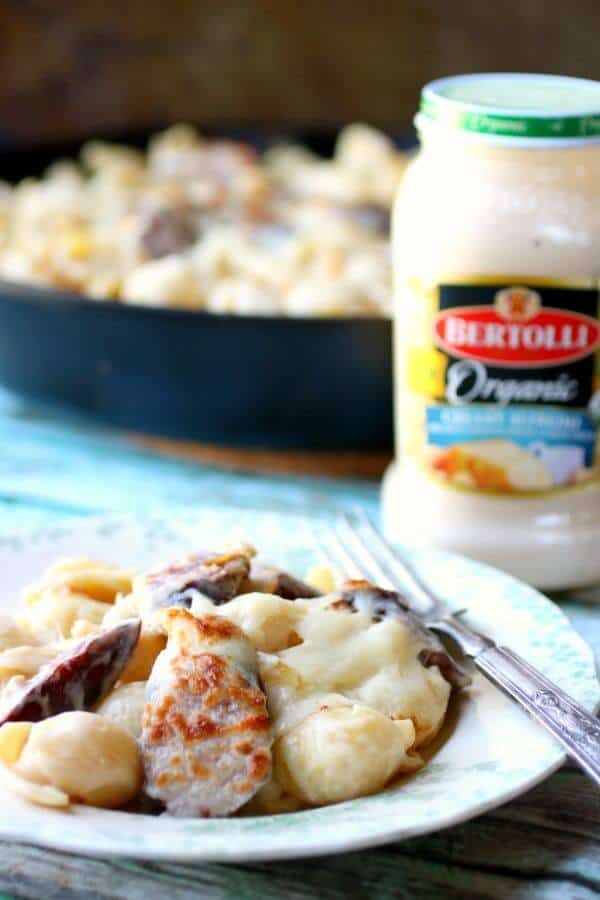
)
(496, 243)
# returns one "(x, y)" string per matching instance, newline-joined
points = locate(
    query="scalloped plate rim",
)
(261, 851)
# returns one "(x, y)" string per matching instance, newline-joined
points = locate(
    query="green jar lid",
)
(515, 107)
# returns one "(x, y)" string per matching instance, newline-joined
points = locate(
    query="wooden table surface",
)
(546, 844)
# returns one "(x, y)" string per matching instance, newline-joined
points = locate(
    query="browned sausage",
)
(166, 230)
(77, 679)
(206, 733)
(269, 580)
(218, 576)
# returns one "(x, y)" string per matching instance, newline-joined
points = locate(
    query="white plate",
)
(493, 753)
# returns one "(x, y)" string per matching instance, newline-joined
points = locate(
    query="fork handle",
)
(573, 726)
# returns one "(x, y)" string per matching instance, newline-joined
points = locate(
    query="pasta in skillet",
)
(209, 225)
(193, 685)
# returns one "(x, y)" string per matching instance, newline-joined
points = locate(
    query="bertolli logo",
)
(517, 331)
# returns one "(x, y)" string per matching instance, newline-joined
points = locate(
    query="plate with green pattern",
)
(489, 753)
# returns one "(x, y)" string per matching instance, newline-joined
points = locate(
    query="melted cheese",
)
(349, 700)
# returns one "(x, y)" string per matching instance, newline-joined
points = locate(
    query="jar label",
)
(503, 384)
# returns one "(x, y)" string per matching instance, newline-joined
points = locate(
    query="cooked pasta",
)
(84, 755)
(211, 694)
(71, 592)
(208, 224)
(124, 706)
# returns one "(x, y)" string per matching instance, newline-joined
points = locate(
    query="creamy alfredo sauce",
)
(497, 344)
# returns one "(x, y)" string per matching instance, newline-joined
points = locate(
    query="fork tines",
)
(357, 550)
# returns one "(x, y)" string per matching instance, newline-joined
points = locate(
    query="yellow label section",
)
(427, 372)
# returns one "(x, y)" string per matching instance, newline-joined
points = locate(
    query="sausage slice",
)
(218, 576)
(76, 680)
(269, 580)
(206, 735)
(166, 230)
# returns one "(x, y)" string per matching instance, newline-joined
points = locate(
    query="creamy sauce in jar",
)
(497, 339)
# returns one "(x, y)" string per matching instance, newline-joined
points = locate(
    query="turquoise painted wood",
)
(545, 845)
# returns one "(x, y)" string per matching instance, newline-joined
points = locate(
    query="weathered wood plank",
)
(376, 875)
(544, 845)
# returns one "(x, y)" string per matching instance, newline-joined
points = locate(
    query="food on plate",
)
(217, 685)
(77, 678)
(206, 733)
(270, 580)
(364, 750)
(86, 757)
(150, 643)
(221, 577)
(85, 578)
(217, 576)
(125, 706)
(209, 224)
(72, 595)
(379, 604)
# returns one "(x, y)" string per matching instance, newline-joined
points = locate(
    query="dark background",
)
(71, 68)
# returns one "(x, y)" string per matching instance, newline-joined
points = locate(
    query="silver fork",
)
(358, 550)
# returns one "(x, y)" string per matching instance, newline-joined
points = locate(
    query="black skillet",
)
(245, 381)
